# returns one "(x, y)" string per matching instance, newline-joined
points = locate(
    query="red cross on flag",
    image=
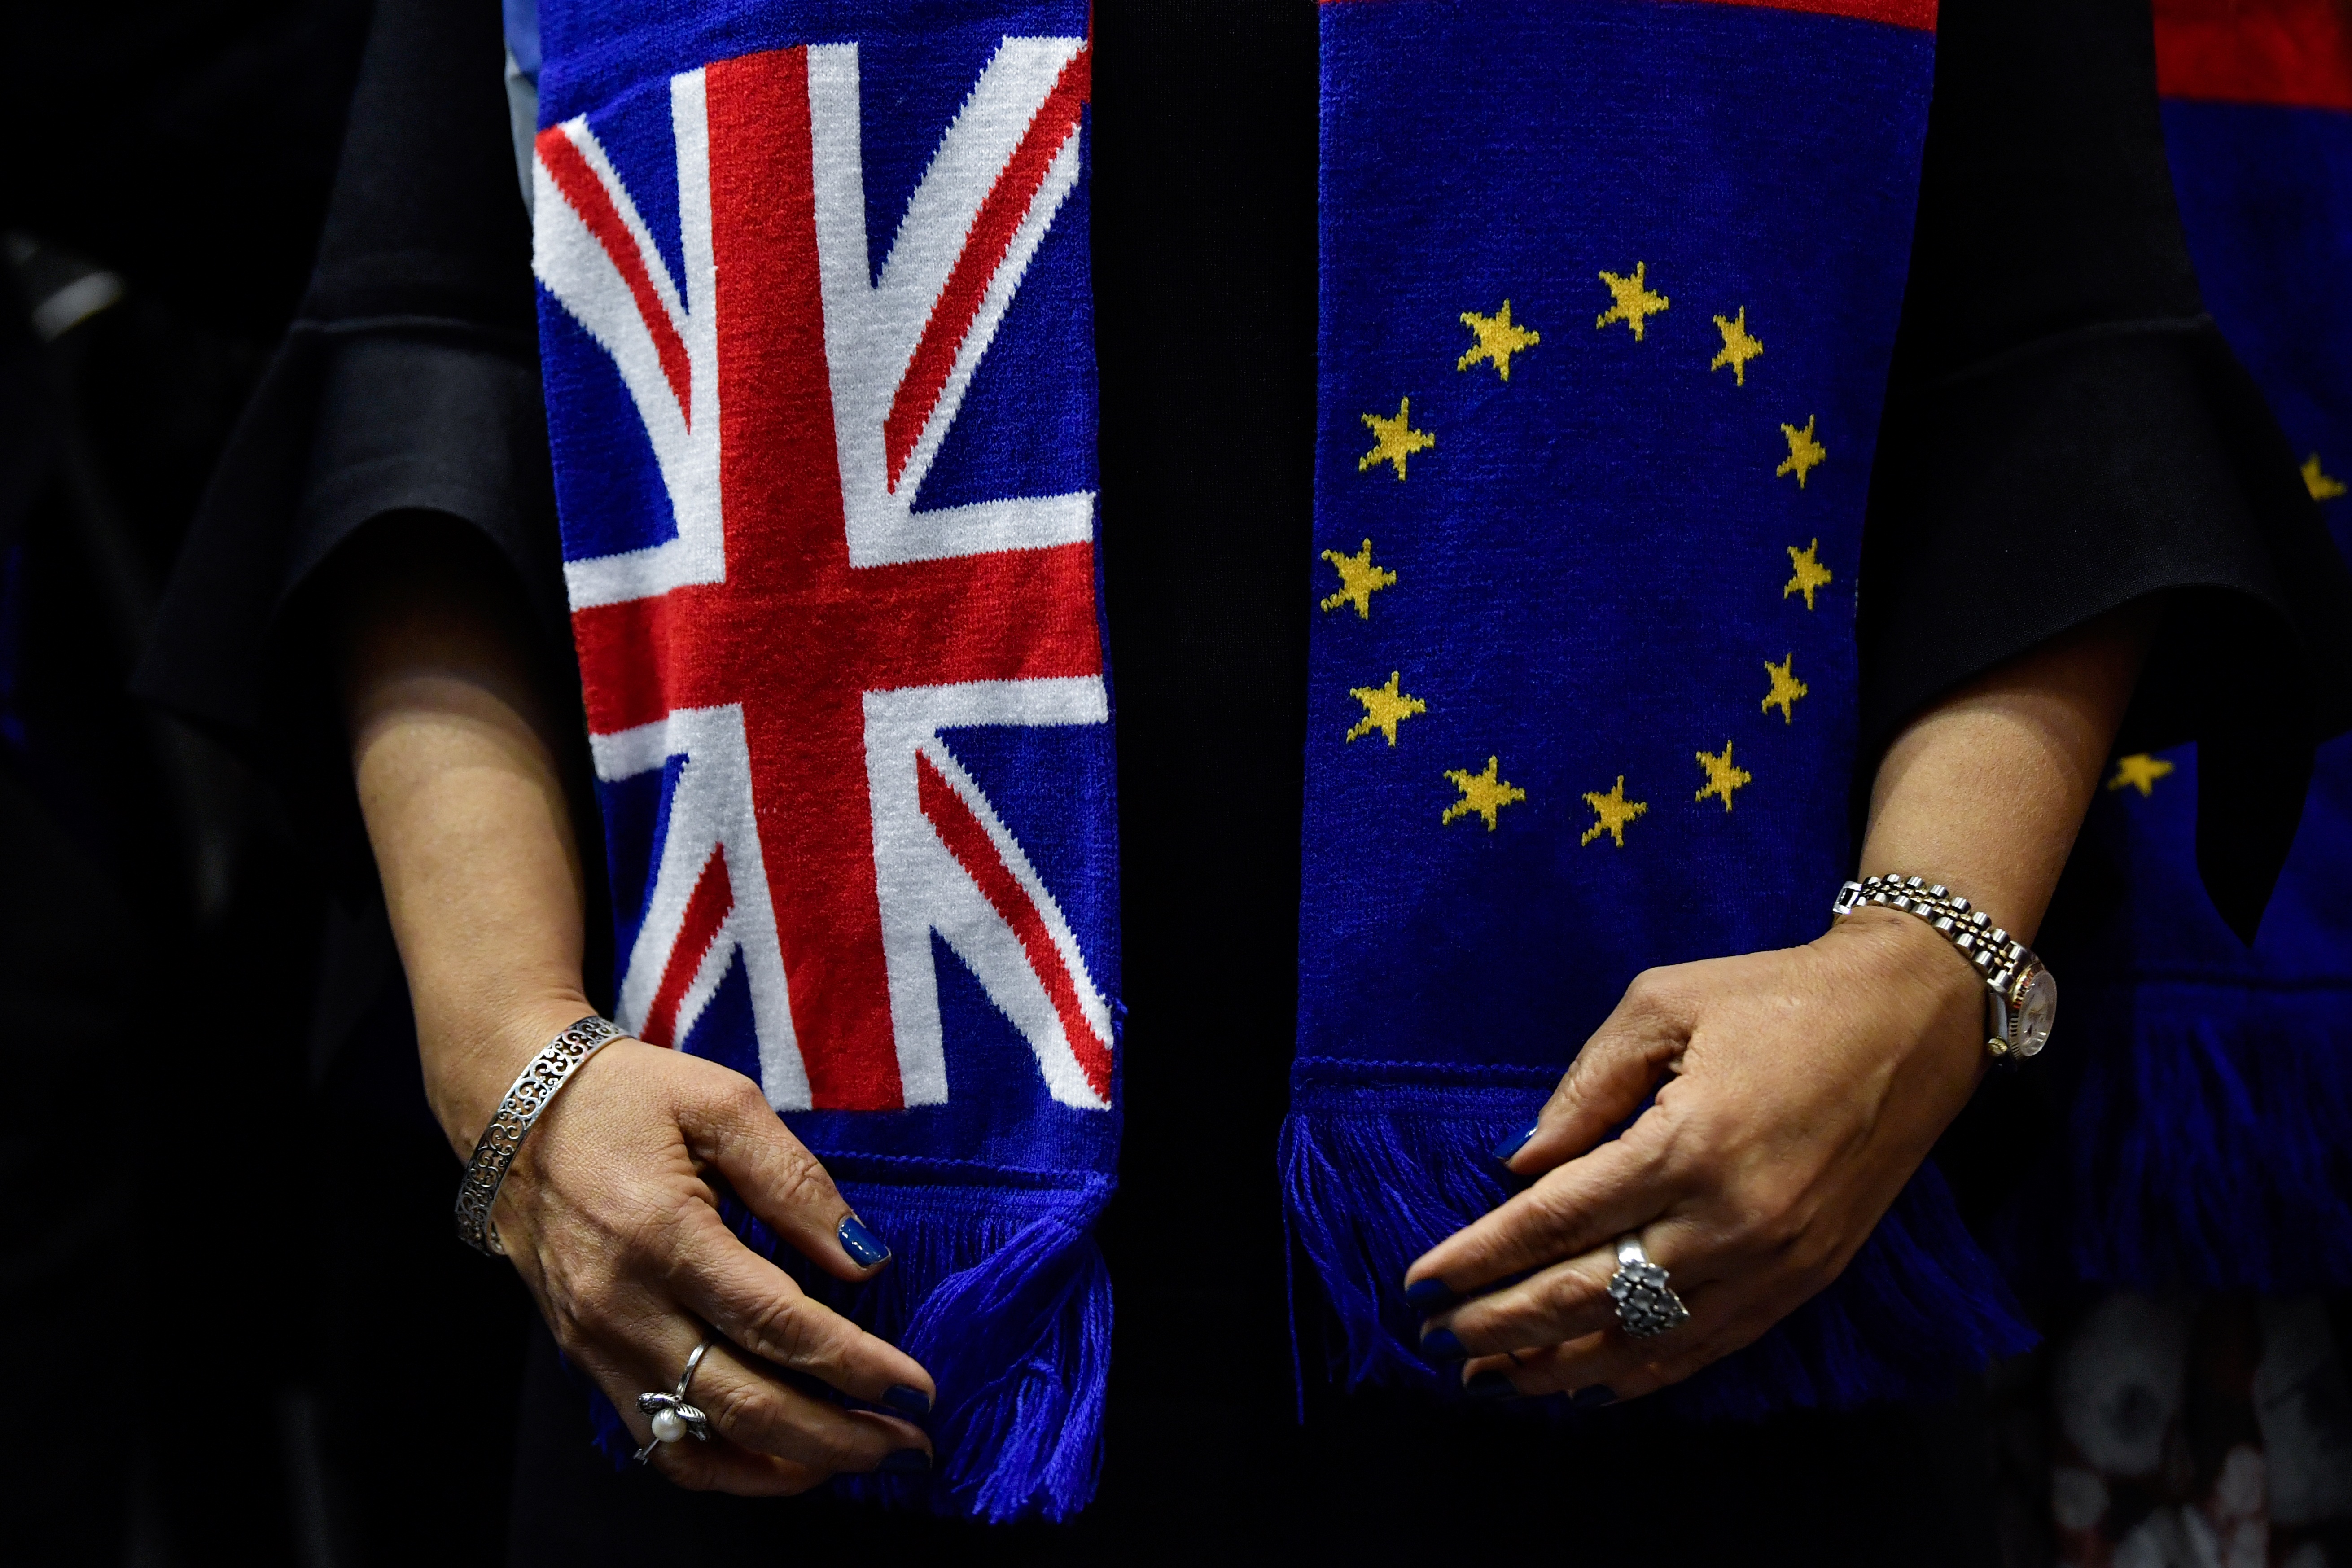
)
(787, 649)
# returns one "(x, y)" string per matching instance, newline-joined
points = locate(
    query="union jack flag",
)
(796, 579)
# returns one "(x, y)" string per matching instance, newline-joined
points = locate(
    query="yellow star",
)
(1385, 709)
(1738, 348)
(2322, 485)
(1358, 580)
(2139, 771)
(1722, 778)
(1614, 812)
(1498, 339)
(1804, 453)
(1482, 792)
(1786, 687)
(1810, 572)
(1394, 440)
(1635, 304)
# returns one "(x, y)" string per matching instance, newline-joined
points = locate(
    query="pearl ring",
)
(673, 1417)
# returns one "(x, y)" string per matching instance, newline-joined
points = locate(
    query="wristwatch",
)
(2022, 995)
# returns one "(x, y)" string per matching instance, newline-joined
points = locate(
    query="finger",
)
(1563, 1302)
(757, 1305)
(734, 1129)
(1611, 1077)
(1599, 1369)
(720, 1467)
(1618, 1187)
(1570, 1298)
(751, 1408)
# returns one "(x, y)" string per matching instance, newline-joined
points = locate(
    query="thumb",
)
(1616, 1071)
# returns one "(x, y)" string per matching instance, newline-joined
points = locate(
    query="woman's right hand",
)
(608, 1215)
(607, 1211)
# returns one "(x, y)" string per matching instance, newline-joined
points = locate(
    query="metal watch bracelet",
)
(2022, 995)
(532, 1090)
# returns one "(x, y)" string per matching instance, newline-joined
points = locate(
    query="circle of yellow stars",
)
(1495, 339)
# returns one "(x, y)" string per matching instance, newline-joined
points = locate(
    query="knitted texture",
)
(815, 321)
(1601, 377)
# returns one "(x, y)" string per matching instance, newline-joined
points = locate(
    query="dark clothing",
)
(2066, 432)
(167, 170)
(1204, 235)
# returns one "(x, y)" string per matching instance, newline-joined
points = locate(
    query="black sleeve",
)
(2067, 433)
(406, 401)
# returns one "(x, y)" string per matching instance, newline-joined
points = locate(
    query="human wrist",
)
(1895, 953)
(471, 1060)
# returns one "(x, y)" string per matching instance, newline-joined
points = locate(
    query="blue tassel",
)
(2207, 1146)
(995, 1285)
(1380, 1164)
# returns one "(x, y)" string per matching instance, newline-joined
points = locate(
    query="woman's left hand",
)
(1802, 1088)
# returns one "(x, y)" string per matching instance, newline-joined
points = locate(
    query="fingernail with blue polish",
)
(907, 1462)
(865, 1248)
(1513, 1144)
(907, 1401)
(1427, 1295)
(1439, 1344)
(1490, 1383)
(1593, 1398)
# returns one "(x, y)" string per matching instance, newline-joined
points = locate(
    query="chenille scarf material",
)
(1608, 294)
(817, 331)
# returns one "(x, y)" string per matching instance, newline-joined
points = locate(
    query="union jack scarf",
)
(1609, 290)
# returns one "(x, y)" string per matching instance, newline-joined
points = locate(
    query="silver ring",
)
(1646, 1305)
(673, 1417)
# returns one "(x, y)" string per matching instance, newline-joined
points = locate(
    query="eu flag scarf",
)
(1609, 291)
(1608, 294)
(2210, 1141)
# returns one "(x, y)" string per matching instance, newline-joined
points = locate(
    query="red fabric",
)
(1919, 14)
(795, 634)
(2293, 53)
(713, 897)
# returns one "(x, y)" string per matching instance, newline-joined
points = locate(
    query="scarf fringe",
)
(1004, 1296)
(1369, 1188)
(2207, 1147)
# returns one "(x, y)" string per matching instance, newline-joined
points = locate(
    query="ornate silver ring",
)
(673, 1417)
(1646, 1305)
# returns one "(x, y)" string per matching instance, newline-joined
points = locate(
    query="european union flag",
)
(1609, 295)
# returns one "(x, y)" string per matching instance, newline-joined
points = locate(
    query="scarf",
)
(2209, 1134)
(1609, 291)
(1600, 378)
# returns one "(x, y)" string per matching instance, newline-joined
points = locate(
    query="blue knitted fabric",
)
(816, 328)
(1609, 293)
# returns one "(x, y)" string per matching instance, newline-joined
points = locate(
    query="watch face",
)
(2037, 1013)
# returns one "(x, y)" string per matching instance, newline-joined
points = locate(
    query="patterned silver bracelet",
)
(534, 1088)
